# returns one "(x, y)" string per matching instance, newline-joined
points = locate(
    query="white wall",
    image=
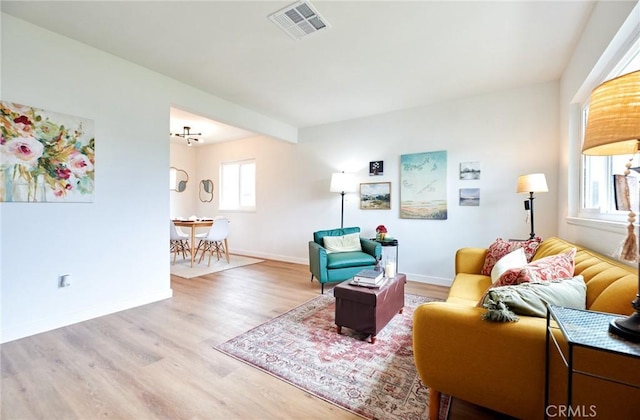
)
(510, 133)
(583, 70)
(184, 204)
(116, 247)
(279, 228)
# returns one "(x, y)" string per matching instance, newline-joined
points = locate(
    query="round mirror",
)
(206, 190)
(178, 179)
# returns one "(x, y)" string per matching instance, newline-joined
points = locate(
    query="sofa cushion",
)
(500, 248)
(342, 243)
(548, 268)
(514, 259)
(531, 299)
(349, 259)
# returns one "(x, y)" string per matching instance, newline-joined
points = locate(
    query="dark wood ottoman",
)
(368, 310)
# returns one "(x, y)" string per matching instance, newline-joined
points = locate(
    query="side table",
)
(585, 329)
(386, 245)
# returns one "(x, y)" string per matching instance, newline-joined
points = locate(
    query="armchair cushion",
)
(343, 243)
(319, 235)
(349, 259)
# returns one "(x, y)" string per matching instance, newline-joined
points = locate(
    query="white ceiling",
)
(377, 57)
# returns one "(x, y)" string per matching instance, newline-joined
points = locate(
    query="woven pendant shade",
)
(614, 113)
(613, 128)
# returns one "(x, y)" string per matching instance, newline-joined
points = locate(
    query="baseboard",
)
(105, 308)
(419, 278)
(438, 281)
(267, 256)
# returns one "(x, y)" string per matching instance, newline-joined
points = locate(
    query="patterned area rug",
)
(302, 347)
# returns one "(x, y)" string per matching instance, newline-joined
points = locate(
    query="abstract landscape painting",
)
(470, 197)
(423, 185)
(469, 170)
(375, 196)
(45, 156)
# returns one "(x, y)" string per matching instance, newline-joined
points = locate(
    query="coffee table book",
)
(378, 285)
(367, 276)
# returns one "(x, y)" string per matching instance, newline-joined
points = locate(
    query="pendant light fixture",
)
(187, 135)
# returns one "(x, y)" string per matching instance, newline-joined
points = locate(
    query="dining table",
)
(193, 224)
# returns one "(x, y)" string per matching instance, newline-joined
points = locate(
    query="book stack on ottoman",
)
(369, 309)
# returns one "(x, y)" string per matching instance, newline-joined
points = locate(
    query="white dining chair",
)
(216, 240)
(178, 242)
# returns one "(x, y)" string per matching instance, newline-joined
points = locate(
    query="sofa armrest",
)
(458, 353)
(318, 261)
(372, 248)
(470, 260)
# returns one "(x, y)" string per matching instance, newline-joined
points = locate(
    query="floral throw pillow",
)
(553, 267)
(500, 248)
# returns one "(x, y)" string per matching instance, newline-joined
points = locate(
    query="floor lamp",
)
(613, 128)
(342, 183)
(530, 184)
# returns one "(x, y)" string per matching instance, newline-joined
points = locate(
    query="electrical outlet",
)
(65, 280)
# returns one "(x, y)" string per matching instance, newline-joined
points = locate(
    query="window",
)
(598, 195)
(238, 185)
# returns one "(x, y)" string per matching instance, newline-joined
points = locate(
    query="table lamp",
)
(531, 183)
(613, 128)
(342, 183)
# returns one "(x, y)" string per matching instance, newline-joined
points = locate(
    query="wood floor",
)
(157, 361)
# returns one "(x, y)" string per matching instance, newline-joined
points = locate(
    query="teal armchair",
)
(330, 267)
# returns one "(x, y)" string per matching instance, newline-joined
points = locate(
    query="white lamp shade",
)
(532, 183)
(341, 182)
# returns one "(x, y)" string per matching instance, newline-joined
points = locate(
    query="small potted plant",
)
(381, 232)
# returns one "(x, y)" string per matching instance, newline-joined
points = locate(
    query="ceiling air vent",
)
(299, 20)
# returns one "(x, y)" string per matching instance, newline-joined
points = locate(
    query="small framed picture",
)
(376, 168)
(469, 170)
(375, 196)
(470, 197)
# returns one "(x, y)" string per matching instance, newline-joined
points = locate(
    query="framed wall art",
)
(375, 196)
(376, 168)
(469, 170)
(423, 185)
(469, 197)
(45, 156)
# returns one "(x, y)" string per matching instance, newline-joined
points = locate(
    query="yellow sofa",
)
(501, 366)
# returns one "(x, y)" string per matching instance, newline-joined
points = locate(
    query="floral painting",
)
(423, 186)
(45, 156)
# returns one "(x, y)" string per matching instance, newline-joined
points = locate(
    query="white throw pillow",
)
(345, 243)
(514, 259)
